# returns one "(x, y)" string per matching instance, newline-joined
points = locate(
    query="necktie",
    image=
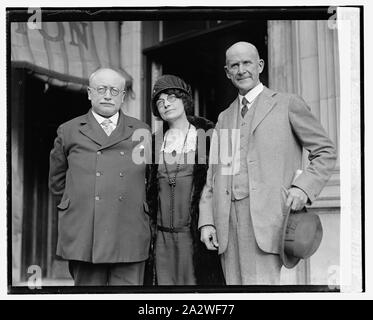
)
(108, 126)
(245, 108)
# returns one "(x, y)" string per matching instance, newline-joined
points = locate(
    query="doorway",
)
(35, 119)
(200, 60)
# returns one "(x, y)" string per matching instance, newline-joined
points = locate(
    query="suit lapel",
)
(231, 123)
(92, 129)
(232, 114)
(124, 130)
(265, 104)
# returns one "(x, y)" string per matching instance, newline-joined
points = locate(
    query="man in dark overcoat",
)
(103, 230)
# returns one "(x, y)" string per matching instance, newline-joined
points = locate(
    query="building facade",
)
(49, 72)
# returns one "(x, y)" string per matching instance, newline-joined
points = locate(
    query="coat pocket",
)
(64, 204)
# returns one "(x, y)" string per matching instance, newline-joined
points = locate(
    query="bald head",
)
(243, 66)
(242, 46)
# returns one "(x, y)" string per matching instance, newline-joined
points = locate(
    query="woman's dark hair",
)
(186, 98)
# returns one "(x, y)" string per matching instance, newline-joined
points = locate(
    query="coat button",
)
(122, 153)
(98, 174)
(97, 198)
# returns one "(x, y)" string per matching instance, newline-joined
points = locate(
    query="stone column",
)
(156, 72)
(303, 59)
(18, 81)
(131, 53)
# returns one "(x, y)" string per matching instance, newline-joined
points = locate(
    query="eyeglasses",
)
(101, 90)
(170, 98)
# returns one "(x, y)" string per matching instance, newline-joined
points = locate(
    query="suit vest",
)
(240, 181)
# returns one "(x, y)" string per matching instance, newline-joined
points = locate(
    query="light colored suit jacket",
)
(281, 126)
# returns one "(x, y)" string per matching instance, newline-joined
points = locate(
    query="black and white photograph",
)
(185, 149)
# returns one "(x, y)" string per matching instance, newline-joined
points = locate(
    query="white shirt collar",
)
(252, 94)
(114, 118)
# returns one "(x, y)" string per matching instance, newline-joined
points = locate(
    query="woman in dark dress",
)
(174, 184)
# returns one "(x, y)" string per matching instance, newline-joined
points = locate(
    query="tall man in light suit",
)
(102, 229)
(241, 214)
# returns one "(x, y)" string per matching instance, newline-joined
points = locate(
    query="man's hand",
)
(297, 199)
(208, 237)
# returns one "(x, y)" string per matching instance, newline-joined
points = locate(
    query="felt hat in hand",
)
(301, 235)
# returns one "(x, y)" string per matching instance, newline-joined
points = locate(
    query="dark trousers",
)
(107, 274)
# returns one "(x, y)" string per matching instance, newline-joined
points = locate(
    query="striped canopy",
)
(66, 53)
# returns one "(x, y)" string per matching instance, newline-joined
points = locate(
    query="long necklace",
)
(172, 180)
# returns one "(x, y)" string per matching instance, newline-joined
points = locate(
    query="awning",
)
(66, 53)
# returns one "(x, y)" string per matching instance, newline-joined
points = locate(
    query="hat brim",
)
(317, 239)
(287, 260)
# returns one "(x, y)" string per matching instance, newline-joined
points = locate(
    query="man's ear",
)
(227, 72)
(89, 93)
(261, 65)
